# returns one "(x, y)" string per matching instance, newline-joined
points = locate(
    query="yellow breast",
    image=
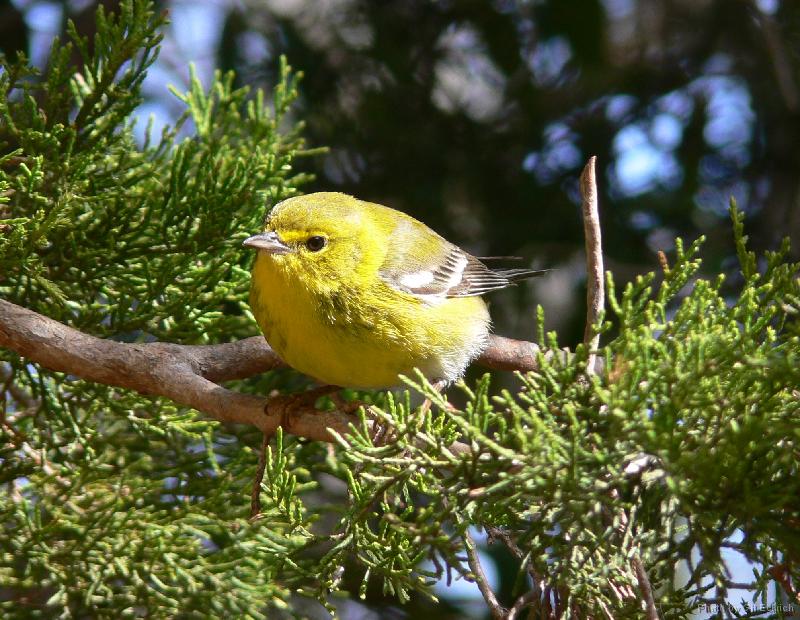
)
(343, 336)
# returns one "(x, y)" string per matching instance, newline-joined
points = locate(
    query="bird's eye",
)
(316, 243)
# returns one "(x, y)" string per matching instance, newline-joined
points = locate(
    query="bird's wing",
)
(434, 267)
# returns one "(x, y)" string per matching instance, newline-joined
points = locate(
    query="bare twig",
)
(782, 574)
(496, 609)
(507, 539)
(255, 494)
(17, 393)
(638, 568)
(781, 59)
(595, 291)
(645, 587)
(526, 600)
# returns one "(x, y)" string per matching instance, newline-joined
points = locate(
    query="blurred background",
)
(477, 117)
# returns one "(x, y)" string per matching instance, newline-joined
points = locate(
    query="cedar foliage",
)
(114, 503)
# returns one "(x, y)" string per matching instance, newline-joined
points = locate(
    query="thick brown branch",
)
(232, 360)
(509, 354)
(248, 357)
(189, 374)
(180, 373)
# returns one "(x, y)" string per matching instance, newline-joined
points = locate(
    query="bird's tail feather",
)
(513, 275)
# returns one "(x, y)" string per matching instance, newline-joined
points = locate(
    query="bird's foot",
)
(285, 405)
(344, 406)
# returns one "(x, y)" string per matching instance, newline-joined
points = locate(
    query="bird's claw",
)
(286, 405)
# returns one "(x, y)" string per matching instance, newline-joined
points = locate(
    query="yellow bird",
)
(355, 294)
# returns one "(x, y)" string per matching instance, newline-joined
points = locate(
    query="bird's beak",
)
(267, 241)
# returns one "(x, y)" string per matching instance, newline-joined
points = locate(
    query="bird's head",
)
(322, 235)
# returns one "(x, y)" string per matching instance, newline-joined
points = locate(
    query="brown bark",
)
(190, 374)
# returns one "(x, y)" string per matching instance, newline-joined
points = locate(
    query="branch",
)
(781, 59)
(645, 587)
(18, 394)
(781, 574)
(526, 600)
(509, 354)
(255, 493)
(524, 558)
(595, 291)
(498, 611)
(189, 374)
(184, 374)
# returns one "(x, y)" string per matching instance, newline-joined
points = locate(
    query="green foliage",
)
(686, 443)
(117, 501)
(119, 504)
(108, 235)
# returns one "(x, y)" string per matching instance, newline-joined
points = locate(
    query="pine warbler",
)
(354, 293)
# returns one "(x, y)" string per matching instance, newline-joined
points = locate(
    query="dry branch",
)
(595, 290)
(190, 374)
(645, 588)
(497, 610)
(184, 374)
